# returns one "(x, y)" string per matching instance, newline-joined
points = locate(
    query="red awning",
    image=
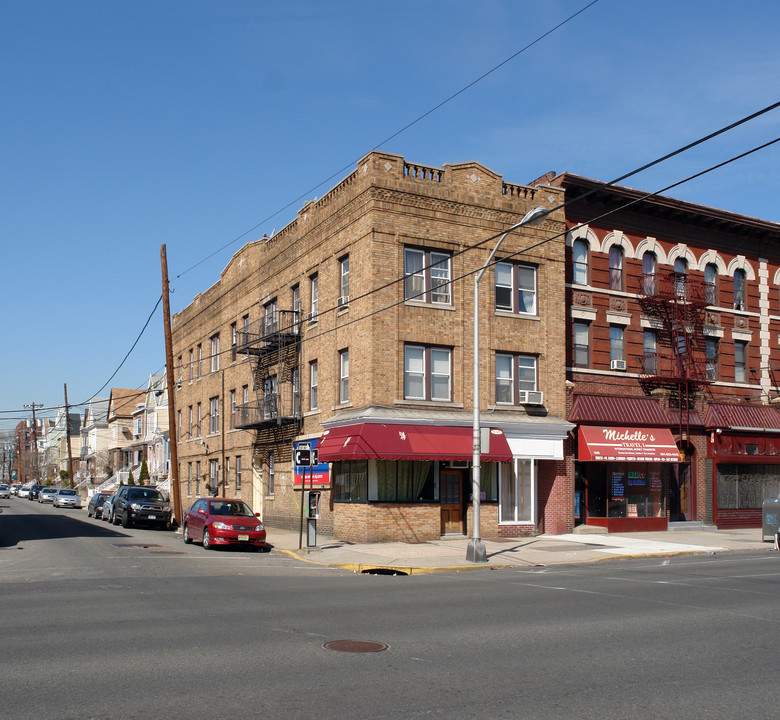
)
(370, 441)
(627, 444)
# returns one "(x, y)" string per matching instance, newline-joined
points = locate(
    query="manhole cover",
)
(355, 646)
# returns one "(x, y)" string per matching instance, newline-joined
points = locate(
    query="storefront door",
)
(451, 498)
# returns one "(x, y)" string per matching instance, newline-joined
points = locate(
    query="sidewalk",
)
(449, 553)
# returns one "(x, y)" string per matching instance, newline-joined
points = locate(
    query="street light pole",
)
(475, 552)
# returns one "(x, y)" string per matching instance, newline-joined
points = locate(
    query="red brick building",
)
(673, 326)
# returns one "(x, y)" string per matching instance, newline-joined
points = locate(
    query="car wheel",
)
(89, 512)
(186, 535)
(114, 518)
(206, 540)
(126, 521)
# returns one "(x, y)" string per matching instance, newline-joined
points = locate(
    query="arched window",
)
(649, 265)
(740, 300)
(580, 262)
(680, 279)
(711, 284)
(616, 267)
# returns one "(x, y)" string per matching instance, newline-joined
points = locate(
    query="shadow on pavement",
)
(18, 528)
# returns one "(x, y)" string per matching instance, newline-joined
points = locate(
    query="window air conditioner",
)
(618, 365)
(531, 397)
(343, 300)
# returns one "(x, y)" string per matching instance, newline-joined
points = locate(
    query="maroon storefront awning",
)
(628, 444)
(374, 441)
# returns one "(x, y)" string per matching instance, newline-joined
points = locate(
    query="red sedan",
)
(217, 521)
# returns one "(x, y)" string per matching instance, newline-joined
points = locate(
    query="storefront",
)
(744, 448)
(623, 472)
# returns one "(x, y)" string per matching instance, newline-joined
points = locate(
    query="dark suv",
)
(141, 504)
(35, 490)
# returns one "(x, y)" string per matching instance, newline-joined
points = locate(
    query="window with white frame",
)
(711, 355)
(615, 267)
(197, 477)
(427, 373)
(313, 385)
(579, 252)
(214, 415)
(189, 478)
(515, 373)
(270, 317)
(516, 491)
(271, 473)
(227, 472)
(314, 293)
(580, 344)
(711, 284)
(199, 418)
(343, 376)
(344, 280)
(213, 476)
(739, 290)
(515, 288)
(192, 365)
(650, 352)
(427, 276)
(233, 340)
(649, 269)
(238, 472)
(190, 426)
(740, 361)
(616, 343)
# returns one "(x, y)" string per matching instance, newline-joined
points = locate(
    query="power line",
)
(393, 136)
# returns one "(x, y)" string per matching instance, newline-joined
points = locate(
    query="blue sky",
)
(126, 125)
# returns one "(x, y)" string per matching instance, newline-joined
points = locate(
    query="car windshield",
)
(67, 492)
(144, 494)
(230, 507)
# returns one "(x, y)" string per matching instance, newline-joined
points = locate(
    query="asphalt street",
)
(102, 622)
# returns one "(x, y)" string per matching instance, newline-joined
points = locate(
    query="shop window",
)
(427, 276)
(405, 481)
(350, 480)
(515, 286)
(746, 486)
(516, 491)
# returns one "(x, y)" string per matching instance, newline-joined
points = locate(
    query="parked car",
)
(108, 508)
(140, 504)
(66, 497)
(95, 504)
(5, 491)
(47, 494)
(15, 488)
(217, 521)
(24, 491)
(35, 489)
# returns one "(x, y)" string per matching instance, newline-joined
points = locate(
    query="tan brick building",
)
(352, 329)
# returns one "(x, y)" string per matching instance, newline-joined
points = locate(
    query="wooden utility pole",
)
(67, 435)
(173, 472)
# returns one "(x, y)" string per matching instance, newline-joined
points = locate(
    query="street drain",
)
(382, 571)
(355, 646)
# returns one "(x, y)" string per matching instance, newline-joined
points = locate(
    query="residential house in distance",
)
(94, 463)
(351, 332)
(150, 431)
(673, 313)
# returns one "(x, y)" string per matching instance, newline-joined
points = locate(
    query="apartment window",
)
(270, 317)
(192, 365)
(739, 290)
(199, 361)
(514, 373)
(199, 418)
(616, 343)
(711, 284)
(579, 252)
(190, 424)
(296, 392)
(680, 277)
(245, 323)
(181, 368)
(740, 361)
(215, 352)
(649, 269)
(515, 288)
(650, 365)
(214, 415)
(427, 276)
(189, 478)
(197, 477)
(296, 306)
(343, 376)
(711, 357)
(344, 280)
(213, 477)
(178, 425)
(313, 385)
(314, 289)
(232, 409)
(245, 395)
(238, 472)
(581, 343)
(233, 340)
(271, 473)
(227, 472)
(616, 267)
(427, 373)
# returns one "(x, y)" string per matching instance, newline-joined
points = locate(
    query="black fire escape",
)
(273, 345)
(680, 365)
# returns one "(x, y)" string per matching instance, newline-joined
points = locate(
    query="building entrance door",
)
(451, 498)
